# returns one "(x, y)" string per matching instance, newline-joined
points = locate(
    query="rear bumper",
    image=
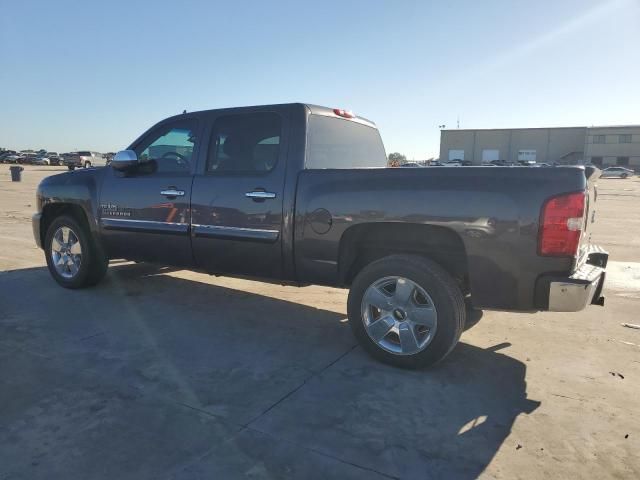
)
(574, 293)
(35, 224)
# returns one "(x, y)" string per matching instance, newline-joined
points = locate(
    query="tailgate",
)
(586, 248)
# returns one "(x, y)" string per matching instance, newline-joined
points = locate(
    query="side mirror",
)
(124, 159)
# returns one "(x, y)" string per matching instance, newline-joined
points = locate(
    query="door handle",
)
(260, 195)
(172, 192)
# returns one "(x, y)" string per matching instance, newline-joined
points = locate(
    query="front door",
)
(144, 214)
(237, 196)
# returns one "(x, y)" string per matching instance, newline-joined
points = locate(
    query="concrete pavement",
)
(157, 373)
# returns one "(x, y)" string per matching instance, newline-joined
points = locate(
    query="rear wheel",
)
(71, 167)
(407, 311)
(73, 257)
(87, 164)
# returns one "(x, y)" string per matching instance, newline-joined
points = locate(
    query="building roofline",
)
(501, 129)
(615, 126)
(534, 128)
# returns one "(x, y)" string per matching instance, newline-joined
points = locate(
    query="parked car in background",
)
(503, 163)
(617, 172)
(411, 165)
(28, 159)
(41, 159)
(84, 158)
(54, 158)
(14, 158)
(71, 160)
(65, 156)
(5, 155)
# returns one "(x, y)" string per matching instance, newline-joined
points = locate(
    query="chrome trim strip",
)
(149, 226)
(235, 233)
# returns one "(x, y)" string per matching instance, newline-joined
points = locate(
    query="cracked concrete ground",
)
(158, 373)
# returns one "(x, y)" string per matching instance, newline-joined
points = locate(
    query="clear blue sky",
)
(94, 75)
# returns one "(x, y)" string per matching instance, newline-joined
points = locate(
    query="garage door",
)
(456, 155)
(526, 155)
(490, 155)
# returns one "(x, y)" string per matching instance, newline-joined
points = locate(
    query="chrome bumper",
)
(582, 288)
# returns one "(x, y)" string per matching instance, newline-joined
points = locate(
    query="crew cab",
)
(300, 194)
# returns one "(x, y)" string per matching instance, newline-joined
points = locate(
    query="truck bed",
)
(494, 212)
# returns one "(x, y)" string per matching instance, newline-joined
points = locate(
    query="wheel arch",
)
(365, 243)
(51, 211)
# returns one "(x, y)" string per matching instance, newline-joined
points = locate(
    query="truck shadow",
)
(273, 367)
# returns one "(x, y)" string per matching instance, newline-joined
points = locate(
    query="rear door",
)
(237, 208)
(144, 214)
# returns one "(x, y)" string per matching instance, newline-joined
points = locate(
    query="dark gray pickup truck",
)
(300, 194)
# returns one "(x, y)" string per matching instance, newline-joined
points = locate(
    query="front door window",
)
(169, 150)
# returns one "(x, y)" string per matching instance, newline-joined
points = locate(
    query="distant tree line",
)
(396, 159)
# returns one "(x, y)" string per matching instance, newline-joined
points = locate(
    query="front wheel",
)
(624, 175)
(87, 164)
(73, 257)
(406, 310)
(71, 167)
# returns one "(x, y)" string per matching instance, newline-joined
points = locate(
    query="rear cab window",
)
(338, 143)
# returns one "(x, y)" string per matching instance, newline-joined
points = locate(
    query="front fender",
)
(77, 189)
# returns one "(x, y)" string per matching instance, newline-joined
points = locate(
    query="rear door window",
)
(245, 143)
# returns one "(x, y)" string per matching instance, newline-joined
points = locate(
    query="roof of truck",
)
(313, 109)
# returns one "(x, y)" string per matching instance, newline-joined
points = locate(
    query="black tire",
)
(87, 164)
(440, 286)
(71, 167)
(94, 262)
(624, 175)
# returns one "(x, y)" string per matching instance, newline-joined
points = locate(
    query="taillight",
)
(561, 225)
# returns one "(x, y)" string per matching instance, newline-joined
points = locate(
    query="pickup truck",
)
(84, 159)
(300, 194)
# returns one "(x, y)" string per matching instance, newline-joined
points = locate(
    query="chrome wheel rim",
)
(66, 252)
(399, 315)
